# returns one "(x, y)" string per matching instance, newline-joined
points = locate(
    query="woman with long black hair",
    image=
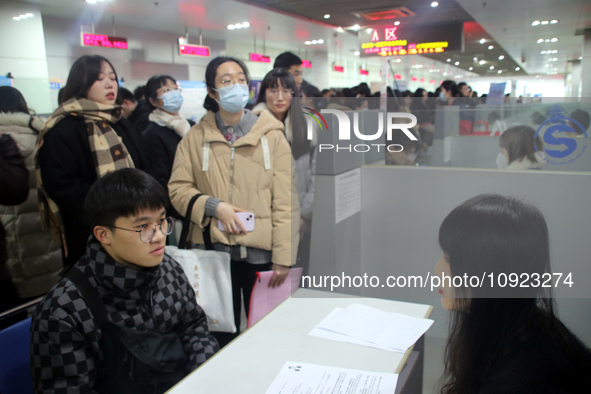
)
(504, 340)
(82, 140)
(276, 95)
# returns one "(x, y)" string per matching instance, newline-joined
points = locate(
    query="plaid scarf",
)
(108, 151)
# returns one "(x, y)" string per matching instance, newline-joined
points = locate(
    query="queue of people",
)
(114, 170)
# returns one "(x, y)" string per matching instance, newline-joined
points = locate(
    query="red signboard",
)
(194, 50)
(339, 69)
(257, 57)
(306, 64)
(101, 40)
(363, 72)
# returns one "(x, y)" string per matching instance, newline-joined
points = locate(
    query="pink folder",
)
(264, 299)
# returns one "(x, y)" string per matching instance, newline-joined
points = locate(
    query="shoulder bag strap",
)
(187, 222)
(91, 296)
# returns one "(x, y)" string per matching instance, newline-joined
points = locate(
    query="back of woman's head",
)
(508, 238)
(11, 100)
(152, 86)
(210, 73)
(520, 143)
(84, 72)
(273, 79)
(493, 233)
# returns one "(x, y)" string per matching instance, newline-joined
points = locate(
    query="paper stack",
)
(363, 325)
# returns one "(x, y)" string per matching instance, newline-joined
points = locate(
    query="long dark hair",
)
(519, 142)
(299, 142)
(11, 100)
(84, 72)
(490, 233)
(211, 71)
(152, 86)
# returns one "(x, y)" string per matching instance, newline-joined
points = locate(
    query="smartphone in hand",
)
(247, 219)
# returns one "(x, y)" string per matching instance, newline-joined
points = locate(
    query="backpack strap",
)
(91, 296)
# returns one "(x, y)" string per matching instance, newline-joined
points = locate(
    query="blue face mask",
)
(442, 96)
(173, 101)
(233, 98)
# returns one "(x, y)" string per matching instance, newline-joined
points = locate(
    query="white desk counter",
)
(250, 363)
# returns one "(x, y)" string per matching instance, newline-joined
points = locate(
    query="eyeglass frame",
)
(283, 93)
(168, 218)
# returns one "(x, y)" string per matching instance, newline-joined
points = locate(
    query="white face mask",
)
(233, 98)
(502, 162)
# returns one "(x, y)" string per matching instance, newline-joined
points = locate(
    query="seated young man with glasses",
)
(124, 318)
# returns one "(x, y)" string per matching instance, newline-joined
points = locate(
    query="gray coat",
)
(34, 257)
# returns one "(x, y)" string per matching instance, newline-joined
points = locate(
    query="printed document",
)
(303, 378)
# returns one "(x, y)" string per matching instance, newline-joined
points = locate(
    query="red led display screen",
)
(257, 57)
(339, 69)
(306, 64)
(404, 40)
(103, 41)
(194, 50)
(363, 72)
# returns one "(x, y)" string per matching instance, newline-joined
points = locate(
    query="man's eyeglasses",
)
(147, 231)
(276, 92)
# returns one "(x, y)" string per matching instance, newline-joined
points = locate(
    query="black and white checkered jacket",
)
(65, 352)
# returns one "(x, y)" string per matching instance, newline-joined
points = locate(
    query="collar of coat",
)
(260, 107)
(112, 275)
(267, 122)
(21, 119)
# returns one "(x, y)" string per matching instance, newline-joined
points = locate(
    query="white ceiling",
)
(209, 16)
(509, 23)
(287, 23)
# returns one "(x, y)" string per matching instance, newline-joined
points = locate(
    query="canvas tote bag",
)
(208, 272)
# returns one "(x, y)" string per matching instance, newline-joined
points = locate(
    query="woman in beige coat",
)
(238, 162)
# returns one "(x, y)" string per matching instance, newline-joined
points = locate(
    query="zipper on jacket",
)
(231, 174)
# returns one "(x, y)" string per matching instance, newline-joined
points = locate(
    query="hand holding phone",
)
(247, 219)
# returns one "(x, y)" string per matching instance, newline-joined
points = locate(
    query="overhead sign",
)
(306, 64)
(389, 40)
(101, 40)
(194, 50)
(258, 57)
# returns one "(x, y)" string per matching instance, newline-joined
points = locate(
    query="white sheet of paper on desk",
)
(387, 330)
(335, 336)
(303, 378)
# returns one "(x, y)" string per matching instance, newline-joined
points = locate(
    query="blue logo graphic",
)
(557, 144)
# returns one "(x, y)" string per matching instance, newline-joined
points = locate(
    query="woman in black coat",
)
(83, 139)
(166, 128)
